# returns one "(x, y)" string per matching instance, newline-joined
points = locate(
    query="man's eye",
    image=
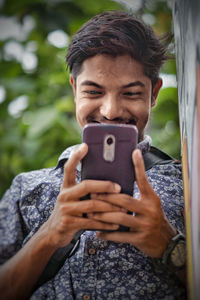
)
(93, 92)
(132, 93)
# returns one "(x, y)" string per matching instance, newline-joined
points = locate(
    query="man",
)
(114, 61)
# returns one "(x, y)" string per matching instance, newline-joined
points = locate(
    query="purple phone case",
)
(121, 169)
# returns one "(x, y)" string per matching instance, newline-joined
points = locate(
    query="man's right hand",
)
(20, 273)
(67, 216)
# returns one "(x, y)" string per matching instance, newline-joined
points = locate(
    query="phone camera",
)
(109, 141)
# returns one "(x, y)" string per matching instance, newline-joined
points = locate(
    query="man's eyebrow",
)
(135, 83)
(131, 84)
(91, 83)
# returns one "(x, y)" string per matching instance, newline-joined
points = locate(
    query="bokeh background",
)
(37, 119)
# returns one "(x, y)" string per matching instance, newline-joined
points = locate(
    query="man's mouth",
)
(114, 121)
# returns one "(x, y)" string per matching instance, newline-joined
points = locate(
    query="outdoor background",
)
(36, 103)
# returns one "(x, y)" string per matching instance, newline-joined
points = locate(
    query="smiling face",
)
(114, 90)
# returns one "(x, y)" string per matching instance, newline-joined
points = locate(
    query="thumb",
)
(141, 178)
(71, 164)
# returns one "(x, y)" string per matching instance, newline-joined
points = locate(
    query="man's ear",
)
(73, 84)
(155, 91)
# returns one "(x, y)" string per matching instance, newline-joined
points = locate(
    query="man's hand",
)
(150, 230)
(67, 216)
(22, 271)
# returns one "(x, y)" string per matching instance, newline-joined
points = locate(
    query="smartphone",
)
(109, 156)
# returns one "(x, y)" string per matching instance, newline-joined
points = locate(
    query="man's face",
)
(114, 90)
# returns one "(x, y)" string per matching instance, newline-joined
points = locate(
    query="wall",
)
(186, 19)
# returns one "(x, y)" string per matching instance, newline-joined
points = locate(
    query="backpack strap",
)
(58, 259)
(153, 157)
(156, 157)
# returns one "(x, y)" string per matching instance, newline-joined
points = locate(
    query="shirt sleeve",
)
(11, 224)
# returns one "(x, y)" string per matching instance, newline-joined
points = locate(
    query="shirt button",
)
(92, 251)
(86, 297)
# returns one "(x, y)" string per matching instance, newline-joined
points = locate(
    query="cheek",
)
(142, 110)
(143, 113)
(80, 114)
(83, 110)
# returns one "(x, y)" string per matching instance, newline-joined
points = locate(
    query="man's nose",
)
(111, 108)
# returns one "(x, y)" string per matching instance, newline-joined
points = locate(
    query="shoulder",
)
(28, 187)
(171, 171)
(36, 180)
(157, 161)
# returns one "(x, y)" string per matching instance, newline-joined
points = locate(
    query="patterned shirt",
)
(99, 269)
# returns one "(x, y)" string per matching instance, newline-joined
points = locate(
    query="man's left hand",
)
(150, 231)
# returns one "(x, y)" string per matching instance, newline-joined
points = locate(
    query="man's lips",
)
(114, 121)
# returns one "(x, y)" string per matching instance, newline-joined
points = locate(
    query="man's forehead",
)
(124, 67)
(112, 60)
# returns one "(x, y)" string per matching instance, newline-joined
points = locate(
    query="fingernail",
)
(117, 187)
(115, 226)
(123, 210)
(90, 215)
(82, 146)
(93, 195)
(138, 153)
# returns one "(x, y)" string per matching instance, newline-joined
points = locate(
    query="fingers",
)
(86, 223)
(119, 218)
(140, 174)
(121, 237)
(86, 187)
(70, 166)
(124, 201)
(87, 206)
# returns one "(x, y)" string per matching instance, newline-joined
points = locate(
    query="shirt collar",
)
(144, 146)
(66, 154)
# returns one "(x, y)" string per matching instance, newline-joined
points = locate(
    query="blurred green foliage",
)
(36, 103)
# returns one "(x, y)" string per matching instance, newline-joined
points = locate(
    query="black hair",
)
(118, 33)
